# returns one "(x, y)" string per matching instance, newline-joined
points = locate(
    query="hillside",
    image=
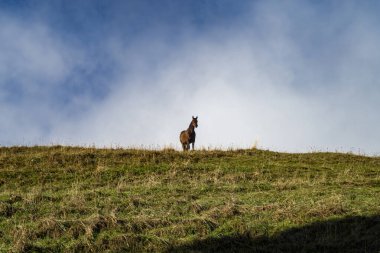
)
(71, 199)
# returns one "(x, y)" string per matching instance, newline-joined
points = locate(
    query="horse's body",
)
(187, 136)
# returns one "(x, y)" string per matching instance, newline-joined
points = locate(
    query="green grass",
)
(68, 199)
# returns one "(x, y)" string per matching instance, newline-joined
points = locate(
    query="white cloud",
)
(29, 54)
(264, 79)
(33, 65)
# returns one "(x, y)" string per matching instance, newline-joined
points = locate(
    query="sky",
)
(293, 76)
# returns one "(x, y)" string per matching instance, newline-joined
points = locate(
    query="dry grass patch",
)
(66, 199)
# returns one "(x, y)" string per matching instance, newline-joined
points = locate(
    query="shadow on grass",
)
(353, 234)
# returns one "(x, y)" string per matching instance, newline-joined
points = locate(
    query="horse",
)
(188, 136)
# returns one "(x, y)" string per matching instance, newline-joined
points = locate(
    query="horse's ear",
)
(196, 117)
(193, 117)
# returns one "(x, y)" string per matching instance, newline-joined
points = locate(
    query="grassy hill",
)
(69, 199)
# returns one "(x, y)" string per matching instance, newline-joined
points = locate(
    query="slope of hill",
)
(71, 199)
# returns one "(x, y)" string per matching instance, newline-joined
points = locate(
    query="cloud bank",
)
(292, 76)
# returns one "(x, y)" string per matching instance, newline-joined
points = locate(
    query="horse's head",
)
(194, 122)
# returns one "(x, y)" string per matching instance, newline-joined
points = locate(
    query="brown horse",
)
(188, 136)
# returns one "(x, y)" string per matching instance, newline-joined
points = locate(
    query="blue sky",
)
(292, 76)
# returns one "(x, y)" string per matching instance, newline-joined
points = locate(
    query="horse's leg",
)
(192, 144)
(184, 146)
(188, 146)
